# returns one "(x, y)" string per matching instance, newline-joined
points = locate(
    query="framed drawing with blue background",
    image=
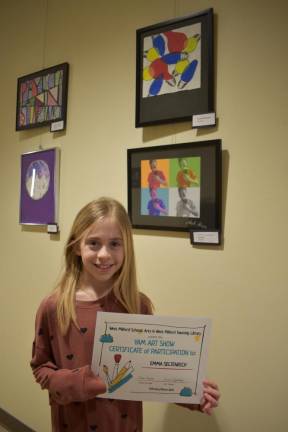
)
(175, 187)
(39, 187)
(174, 69)
(42, 98)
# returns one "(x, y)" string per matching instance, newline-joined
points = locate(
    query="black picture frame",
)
(174, 103)
(42, 98)
(203, 191)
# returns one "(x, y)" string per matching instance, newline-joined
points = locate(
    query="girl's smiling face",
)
(102, 253)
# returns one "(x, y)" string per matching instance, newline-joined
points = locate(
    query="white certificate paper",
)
(148, 357)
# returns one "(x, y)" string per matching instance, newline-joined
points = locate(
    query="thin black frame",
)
(61, 97)
(210, 180)
(179, 106)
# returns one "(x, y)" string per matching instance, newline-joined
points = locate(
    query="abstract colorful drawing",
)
(172, 61)
(42, 97)
(174, 69)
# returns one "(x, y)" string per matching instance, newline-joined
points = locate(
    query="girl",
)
(99, 275)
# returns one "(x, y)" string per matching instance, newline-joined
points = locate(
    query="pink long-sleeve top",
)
(61, 364)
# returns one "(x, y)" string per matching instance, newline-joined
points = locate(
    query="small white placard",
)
(202, 120)
(57, 126)
(52, 228)
(202, 237)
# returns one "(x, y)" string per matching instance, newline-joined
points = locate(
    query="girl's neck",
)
(88, 291)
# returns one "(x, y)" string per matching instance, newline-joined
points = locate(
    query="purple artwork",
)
(39, 187)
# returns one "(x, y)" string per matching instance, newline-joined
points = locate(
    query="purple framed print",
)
(39, 187)
(42, 98)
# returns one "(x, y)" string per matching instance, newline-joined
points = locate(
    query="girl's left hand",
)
(211, 396)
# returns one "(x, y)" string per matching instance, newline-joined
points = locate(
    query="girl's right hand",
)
(211, 396)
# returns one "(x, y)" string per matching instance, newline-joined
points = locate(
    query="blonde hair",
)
(125, 283)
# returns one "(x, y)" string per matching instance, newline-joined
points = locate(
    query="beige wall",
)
(242, 285)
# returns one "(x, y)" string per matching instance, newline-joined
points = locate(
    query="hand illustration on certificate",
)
(144, 357)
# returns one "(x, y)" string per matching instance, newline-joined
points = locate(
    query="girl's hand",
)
(211, 396)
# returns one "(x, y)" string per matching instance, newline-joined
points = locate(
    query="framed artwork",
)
(174, 69)
(175, 187)
(39, 187)
(42, 98)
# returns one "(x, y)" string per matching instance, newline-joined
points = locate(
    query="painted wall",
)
(242, 286)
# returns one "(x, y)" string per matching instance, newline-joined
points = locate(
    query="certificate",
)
(148, 357)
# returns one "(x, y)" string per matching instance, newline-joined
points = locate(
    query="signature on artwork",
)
(195, 223)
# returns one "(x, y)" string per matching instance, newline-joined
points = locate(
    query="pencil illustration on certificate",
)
(143, 357)
(115, 378)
